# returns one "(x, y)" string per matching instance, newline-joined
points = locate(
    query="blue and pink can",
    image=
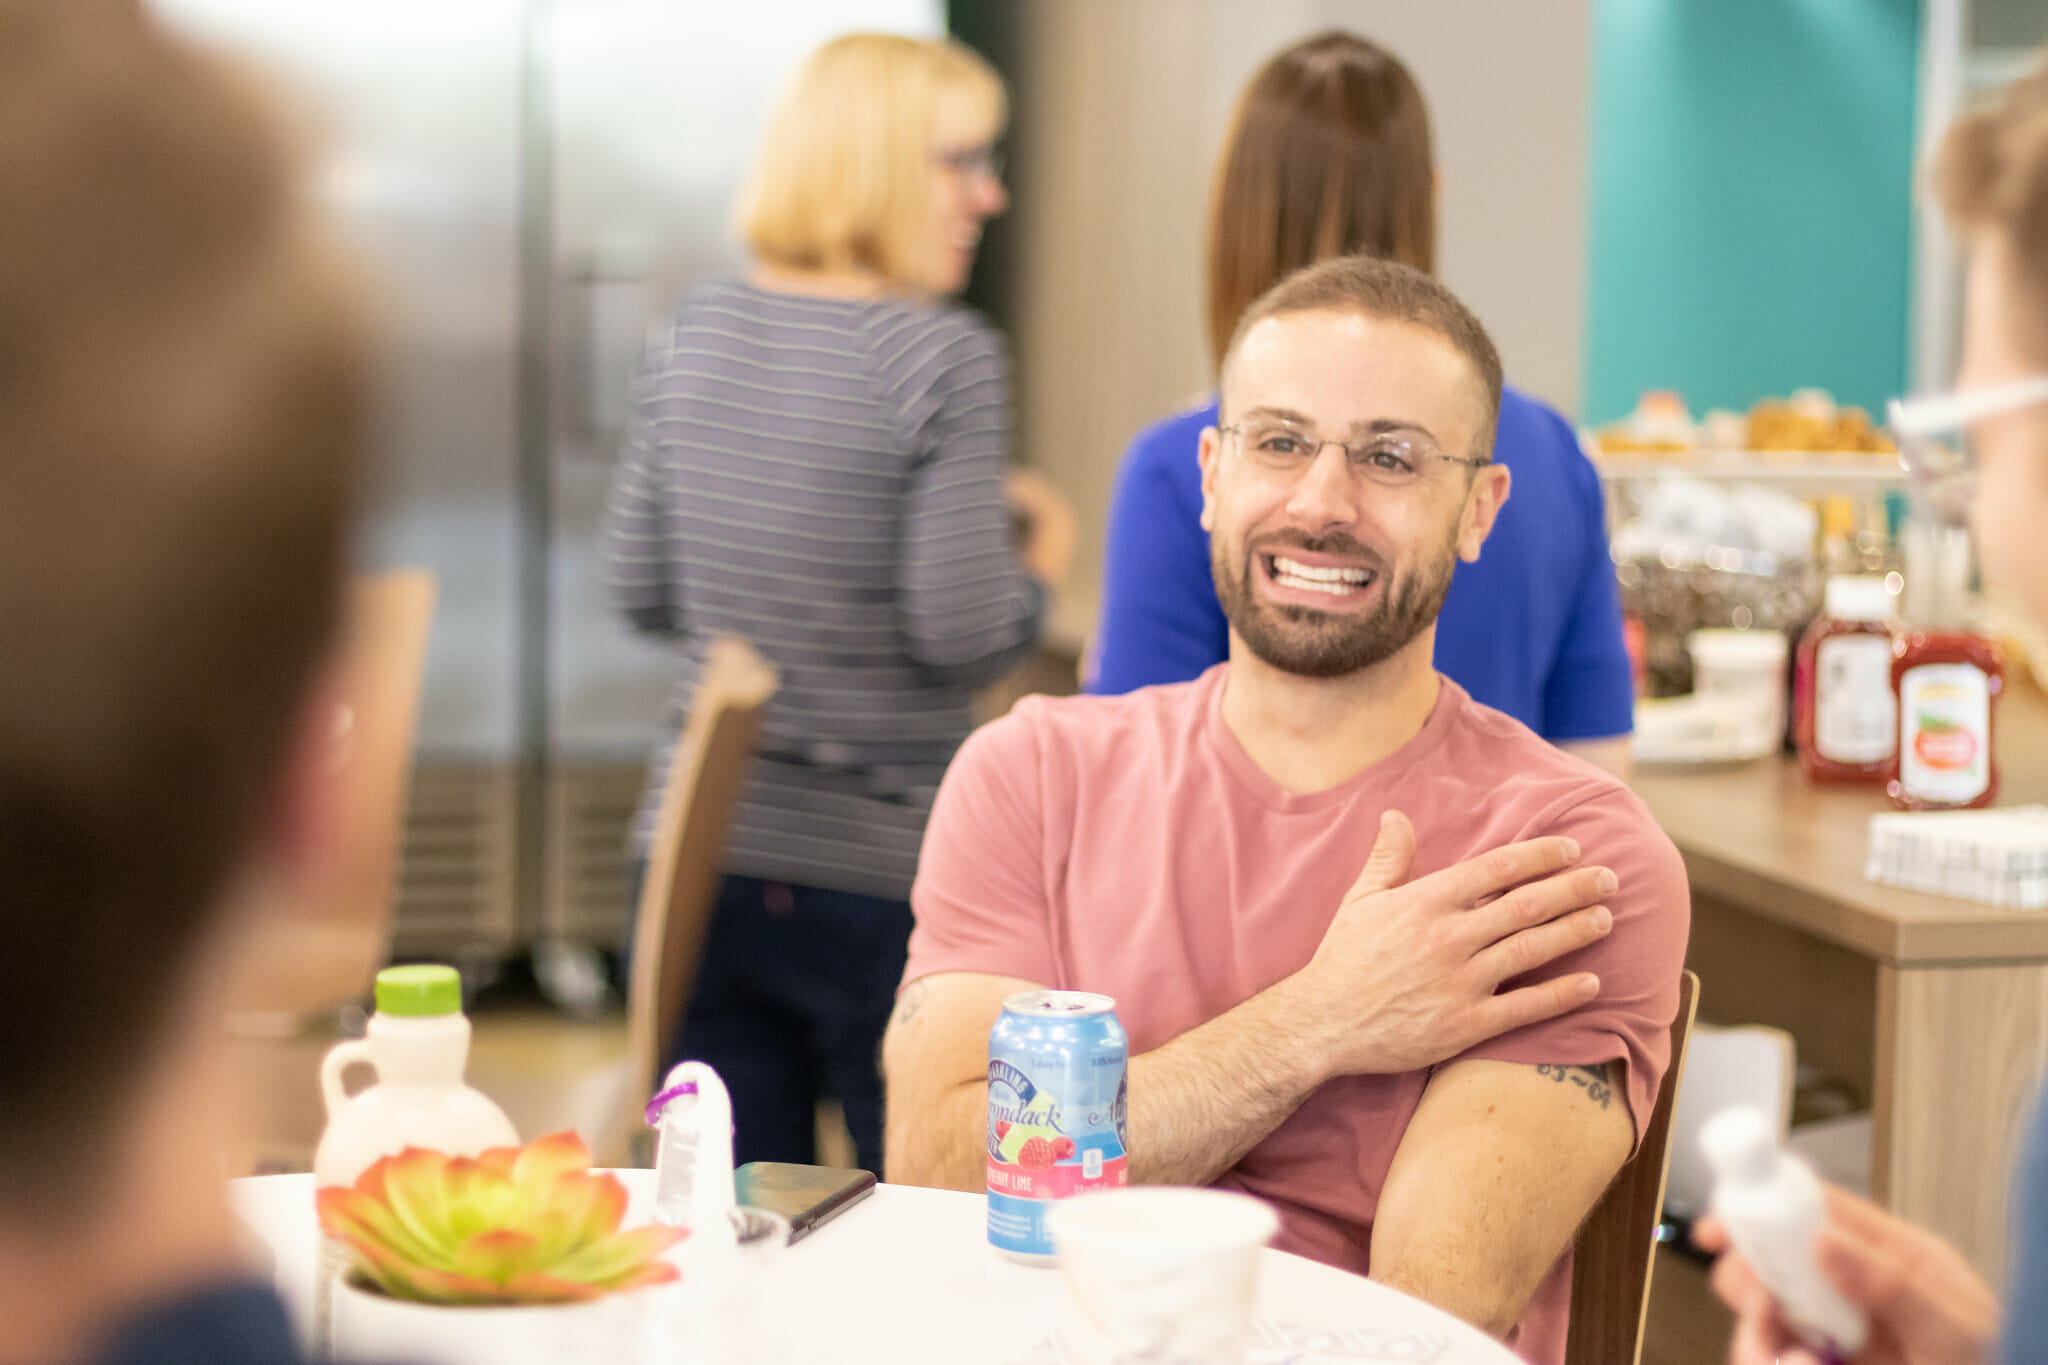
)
(1056, 1111)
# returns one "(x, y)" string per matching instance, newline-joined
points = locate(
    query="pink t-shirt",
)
(1129, 845)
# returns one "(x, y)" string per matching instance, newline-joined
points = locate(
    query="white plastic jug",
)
(418, 1044)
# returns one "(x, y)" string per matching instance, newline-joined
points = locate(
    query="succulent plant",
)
(516, 1225)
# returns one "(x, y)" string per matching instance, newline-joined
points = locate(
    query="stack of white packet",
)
(1996, 856)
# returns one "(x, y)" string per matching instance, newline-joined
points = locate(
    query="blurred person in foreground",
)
(817, 463)
(181, 390)
(1926, 1305)
(1339, 903)
(1329, 153)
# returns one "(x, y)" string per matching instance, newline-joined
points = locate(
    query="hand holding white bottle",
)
(1772, 1206)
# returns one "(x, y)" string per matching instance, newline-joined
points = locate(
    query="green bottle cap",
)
(419, 990)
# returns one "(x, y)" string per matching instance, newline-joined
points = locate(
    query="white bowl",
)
(371, 1326)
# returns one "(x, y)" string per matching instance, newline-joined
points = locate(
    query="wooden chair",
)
(706, 774)
(1611, 1255)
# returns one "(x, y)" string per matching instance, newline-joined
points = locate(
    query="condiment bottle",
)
(693, 1180)
(1947, 679)
(694, 1188)
(1846, 715)
(418, 1044)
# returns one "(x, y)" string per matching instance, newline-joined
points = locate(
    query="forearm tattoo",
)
(1596, 1081)
(911, 1001)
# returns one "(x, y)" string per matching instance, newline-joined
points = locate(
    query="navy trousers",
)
(792, 995)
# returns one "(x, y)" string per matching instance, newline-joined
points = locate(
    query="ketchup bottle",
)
(1947, 679)
(1845, 709)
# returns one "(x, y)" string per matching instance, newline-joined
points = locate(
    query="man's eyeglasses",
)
(1391, 459)
(985, 161)
(1934, 439)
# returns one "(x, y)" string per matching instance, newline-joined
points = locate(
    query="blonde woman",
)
(817, 462)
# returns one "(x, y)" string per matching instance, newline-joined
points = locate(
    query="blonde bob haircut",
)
(843, 179)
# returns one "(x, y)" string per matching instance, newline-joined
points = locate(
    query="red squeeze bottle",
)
(1947, 682)
(1947, 679)
(1845, 710)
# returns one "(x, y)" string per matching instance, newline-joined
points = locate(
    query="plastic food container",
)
(1749, 664)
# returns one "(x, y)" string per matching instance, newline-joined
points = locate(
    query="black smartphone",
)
(805, 1195)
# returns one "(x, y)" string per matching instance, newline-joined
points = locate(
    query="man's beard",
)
(1329, 644)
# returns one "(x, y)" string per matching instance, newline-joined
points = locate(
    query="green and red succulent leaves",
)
(516, 1225)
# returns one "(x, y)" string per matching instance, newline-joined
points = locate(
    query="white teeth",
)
(1287, 567)
(1311, 585)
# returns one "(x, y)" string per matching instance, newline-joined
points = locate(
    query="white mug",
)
(1159, 1274)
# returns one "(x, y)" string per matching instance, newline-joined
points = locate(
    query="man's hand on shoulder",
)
(1406, 974)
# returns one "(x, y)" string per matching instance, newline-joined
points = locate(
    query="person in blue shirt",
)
(1329, 154)
(183, 402)
(1925, 1303)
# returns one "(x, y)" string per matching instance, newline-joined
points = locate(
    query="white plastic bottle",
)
(1772, 1205)
(693, 1188)
(418, 1044)
(693, 1180)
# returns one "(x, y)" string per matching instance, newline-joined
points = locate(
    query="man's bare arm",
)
(1405, 976)
(935, 1079)
(1197, 1104)
(1499, 1166)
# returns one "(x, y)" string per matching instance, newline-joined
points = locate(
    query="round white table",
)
(907, 1277)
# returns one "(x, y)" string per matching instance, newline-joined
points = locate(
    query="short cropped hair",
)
(1392, 292)
(1328, 154)
(1991, 176)
(181, 394)
(844, 175)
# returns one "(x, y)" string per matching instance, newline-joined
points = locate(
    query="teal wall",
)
(1751, 213)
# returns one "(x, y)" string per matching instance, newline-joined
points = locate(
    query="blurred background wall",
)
(1748, 229)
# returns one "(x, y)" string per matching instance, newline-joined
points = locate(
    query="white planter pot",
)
(370, 1326)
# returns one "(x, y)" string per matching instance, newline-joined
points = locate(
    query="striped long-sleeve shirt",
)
(825, 478)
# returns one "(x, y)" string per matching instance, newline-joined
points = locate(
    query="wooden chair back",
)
(323, 946)
(1611, 1258)
(707, 771)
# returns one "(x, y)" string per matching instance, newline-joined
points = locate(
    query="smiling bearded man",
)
(1387, 959)
(1367, 612)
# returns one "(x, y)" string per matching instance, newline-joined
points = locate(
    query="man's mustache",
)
(1334, 544)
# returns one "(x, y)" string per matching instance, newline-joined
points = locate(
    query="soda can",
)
(1056, 1111)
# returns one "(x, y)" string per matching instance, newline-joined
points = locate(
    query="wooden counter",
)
(1934, 1011)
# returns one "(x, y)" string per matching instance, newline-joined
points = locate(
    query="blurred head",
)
(180, 409)
(1330, 559)
(1991, 176)
(880, 159)
(1328, 154)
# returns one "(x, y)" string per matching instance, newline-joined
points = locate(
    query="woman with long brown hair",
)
(1329, 154)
